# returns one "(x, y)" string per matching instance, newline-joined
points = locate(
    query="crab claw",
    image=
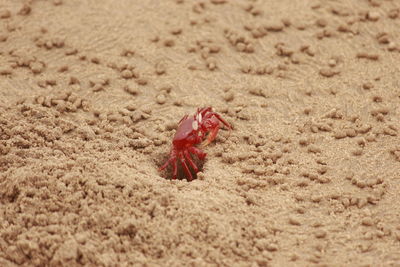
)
(214, 131)
(211, 136)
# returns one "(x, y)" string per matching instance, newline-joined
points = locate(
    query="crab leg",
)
(203, 111)
(172, 157)
(165, 164)
(191, 163)
(172, 161)
(186, 168)
(222, 120)
(183, 118)
(175, 169)
(198, 152)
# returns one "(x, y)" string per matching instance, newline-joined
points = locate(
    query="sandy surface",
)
(90, 95)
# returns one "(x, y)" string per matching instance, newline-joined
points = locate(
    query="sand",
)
(91, 92)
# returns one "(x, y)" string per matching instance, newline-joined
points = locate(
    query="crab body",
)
(192, 131)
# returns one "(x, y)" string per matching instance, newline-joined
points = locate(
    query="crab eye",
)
(195, 125)
(199, 118)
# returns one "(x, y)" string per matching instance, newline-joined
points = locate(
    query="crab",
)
(192, 130)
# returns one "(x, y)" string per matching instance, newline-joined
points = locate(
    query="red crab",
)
(191, 131)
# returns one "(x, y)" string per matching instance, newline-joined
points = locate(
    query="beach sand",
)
(91, 93)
